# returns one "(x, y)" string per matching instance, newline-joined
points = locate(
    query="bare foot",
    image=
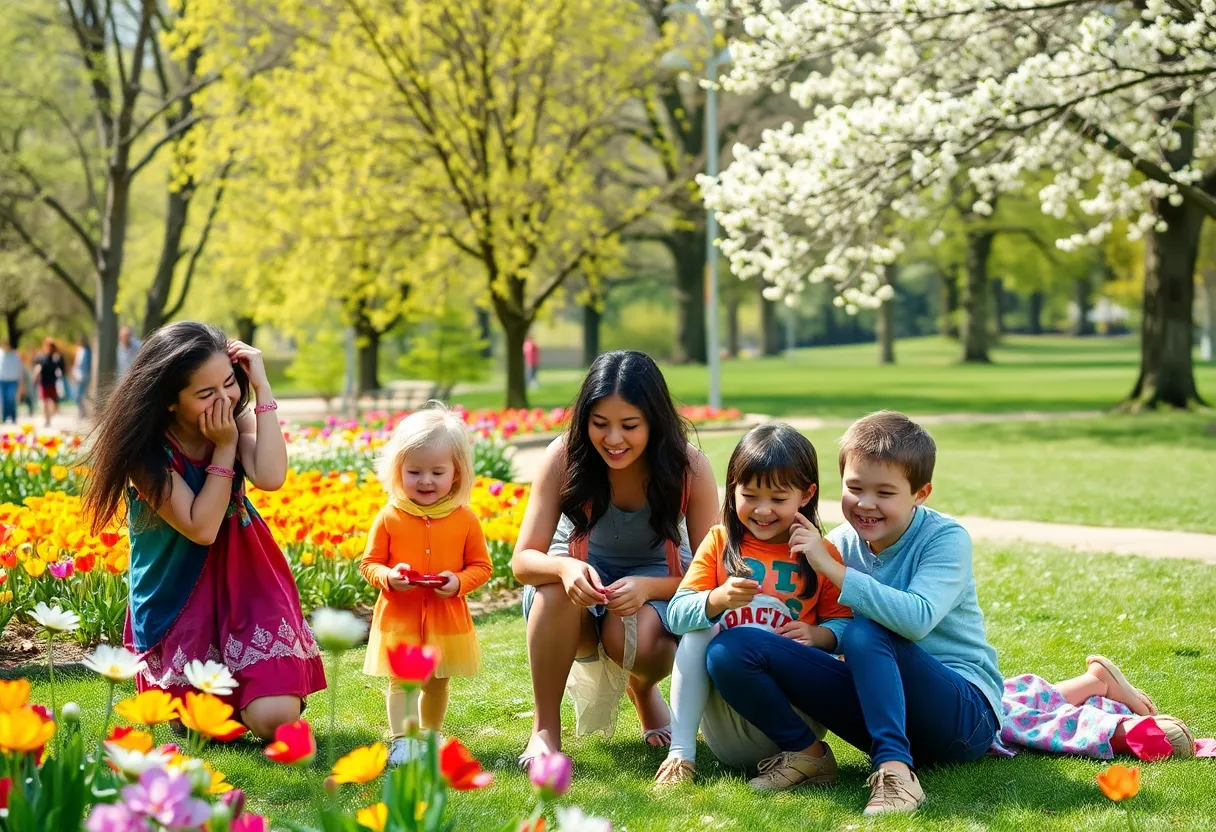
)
(652, 713)
(541, 743)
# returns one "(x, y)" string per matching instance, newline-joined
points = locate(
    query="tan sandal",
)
(1133, 697)
(1178, 734)
(673, 772)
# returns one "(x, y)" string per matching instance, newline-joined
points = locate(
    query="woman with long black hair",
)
(603, 540)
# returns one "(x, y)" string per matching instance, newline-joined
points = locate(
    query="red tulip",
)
(293, 744)
(411, 664)
(6, 786)
(109, 538)
(458, 767)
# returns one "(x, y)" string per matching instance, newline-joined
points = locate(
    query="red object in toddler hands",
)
(425, 581)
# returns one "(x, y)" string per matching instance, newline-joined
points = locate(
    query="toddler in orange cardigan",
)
(426, 532)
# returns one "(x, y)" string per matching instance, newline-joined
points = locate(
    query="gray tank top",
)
(621, 540)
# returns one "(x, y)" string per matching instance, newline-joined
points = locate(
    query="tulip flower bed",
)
(320, 518)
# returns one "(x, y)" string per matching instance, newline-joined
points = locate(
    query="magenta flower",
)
(250, 823)
(551, 774)
(62, 569)
(166, 798)
(234, 800)
(495, 488)
(114, 817)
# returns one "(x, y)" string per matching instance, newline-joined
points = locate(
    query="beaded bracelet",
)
(227, 473)
(267, 407)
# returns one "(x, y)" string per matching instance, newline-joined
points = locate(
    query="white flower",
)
(118, 664)
(55, 619)
(573, 819)
(210, 677)
(131, 764)
(337, 629)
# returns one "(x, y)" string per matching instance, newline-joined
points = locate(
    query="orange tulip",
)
(208, 715)
(130, 739)
(152, 707)
(1119, 782)
(14, 694)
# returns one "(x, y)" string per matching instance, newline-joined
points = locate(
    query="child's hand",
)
(251, 362)
(218, 424)
(734, 594)
(806, 541)
(626, 596)
(451, 587)
(397, 580)
(808, 634)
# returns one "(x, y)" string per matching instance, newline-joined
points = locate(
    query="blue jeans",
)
(8, 401)
(890, 697)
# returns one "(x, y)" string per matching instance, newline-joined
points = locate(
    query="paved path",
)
(1150, 543)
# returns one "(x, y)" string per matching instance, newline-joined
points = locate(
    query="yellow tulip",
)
(208, 715)
(24, 730)
(35, 567)
(14, 694)
(362, 765)
(373, 817)
(152, 707)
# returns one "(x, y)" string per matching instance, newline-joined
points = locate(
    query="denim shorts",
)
(609, 575)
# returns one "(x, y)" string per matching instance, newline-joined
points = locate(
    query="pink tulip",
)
(551, 774)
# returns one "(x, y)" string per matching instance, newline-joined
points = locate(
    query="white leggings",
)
(732, 739)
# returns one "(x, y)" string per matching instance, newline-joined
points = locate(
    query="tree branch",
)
(204, 234)
(51, 263)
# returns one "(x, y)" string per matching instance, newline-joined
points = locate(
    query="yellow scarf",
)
(434, 511)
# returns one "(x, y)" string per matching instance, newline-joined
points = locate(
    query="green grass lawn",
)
(1150, 470)
(1046, 610)
(1052, 373)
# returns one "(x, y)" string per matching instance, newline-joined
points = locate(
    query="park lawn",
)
(1050, 373)
(1157, 618)
(1155, 470)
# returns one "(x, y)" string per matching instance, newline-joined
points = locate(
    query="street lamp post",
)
(713, 64)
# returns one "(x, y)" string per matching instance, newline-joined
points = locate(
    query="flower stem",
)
(1130, 825)
(331, 741)
(50, 663)
(105, 726)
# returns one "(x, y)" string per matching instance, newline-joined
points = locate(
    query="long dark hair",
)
(773, 455)
(128, 442)
(635, 378)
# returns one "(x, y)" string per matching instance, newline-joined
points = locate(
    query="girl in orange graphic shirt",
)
(427, 529)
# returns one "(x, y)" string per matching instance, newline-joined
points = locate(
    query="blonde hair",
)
(433, 425)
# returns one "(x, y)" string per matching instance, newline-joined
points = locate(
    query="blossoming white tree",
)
(917, 100)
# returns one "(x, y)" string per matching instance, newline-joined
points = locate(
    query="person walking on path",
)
(12, 375)
(49, 372)
(128, 346)
(82, 375)
(531, 362)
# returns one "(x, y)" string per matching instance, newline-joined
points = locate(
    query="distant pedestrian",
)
(49, 373)
(128, 346)
(82, 375)
(531, 362)
(12, 375)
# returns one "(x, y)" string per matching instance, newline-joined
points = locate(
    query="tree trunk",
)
(831, 332)
(770, 327)
(947, 326)
(176, 216)
(975, 301)
(885, 324)
(487, 332)
(1034, 312)
(592, 317)
(367, 344)
(105, 357)
(12, 322)
(999, 307)
(732, 326)
(1208, 347)
(687, 248)
(1166, 331)
(1083, 298)
(246, 329)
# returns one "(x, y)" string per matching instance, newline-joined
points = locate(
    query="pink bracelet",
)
(266, 408)
(227, 473)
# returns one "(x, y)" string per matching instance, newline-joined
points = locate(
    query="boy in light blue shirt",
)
(919, 683)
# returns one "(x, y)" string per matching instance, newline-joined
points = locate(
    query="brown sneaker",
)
(673, 772)
(891, 792)
(790, 770)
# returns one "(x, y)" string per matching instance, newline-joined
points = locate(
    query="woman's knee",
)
(264, 716)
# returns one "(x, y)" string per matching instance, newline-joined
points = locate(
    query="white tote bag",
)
(596, 685)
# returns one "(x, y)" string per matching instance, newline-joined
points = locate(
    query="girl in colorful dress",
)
(425, 533)
(177, 438)
(744, 575)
